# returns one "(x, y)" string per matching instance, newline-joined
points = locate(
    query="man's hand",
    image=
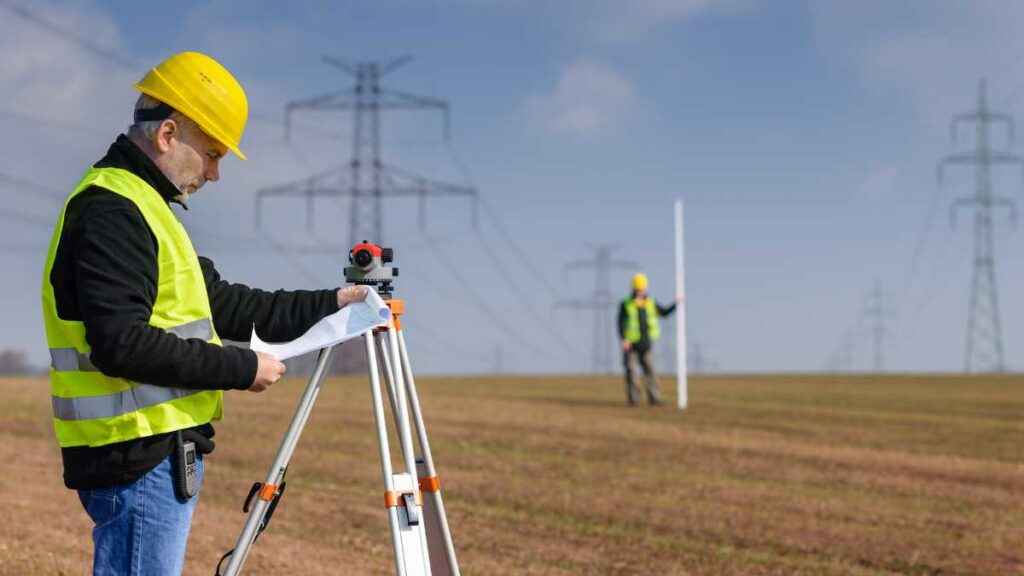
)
(626, 346)
(268, 372)
(351, 294)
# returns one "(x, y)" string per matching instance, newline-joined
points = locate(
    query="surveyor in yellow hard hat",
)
(134, 318)
(638, 330)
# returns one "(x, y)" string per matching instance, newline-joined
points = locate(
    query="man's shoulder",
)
(96, 200)
(98, 211)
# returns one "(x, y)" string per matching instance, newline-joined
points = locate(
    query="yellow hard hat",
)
(205, 92)
(640, 281)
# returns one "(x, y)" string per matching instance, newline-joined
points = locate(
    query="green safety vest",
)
(632, 333)
(93, 409)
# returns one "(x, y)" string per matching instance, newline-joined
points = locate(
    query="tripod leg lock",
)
(411, 509)
(411, 501)
(268, 493)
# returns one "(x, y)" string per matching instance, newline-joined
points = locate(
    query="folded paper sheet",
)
(349, 322)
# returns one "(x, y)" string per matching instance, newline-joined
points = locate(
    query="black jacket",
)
(105, 275)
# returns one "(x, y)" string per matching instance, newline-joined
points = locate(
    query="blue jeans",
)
(141, 528)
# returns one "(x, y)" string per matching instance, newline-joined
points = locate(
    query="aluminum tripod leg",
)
(439, 536)
(386, 369)
(260, 505)
(401, 497)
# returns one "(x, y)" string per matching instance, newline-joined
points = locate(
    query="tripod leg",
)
(385, 451)
(405, 439)
(271, 489)
(439, 537)
(386, 370)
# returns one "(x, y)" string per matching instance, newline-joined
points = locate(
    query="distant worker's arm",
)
(279, 316)
(666, 310)
(621, 322)
(115, 275)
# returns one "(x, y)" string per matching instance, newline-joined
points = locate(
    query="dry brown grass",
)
(554, 476)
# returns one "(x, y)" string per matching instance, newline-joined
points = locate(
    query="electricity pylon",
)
(984, 348)
(366, 180)
(601, 302)
(875, 313)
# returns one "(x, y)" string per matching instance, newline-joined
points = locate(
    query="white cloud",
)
(46, 75)
(934, 55)
(589, 98)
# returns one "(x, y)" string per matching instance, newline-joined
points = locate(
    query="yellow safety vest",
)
(93, 409)
(632, 332)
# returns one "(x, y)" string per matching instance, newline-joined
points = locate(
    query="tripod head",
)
(368, 267)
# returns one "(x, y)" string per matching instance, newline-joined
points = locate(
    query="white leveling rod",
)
(681, 383)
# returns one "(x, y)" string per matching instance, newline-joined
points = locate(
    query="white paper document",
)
(351, 321)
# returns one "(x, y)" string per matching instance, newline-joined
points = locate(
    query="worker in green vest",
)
(134, 317)
(638, 330)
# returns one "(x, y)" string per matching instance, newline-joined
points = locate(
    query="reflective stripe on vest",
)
(130, 400)
(71, 360)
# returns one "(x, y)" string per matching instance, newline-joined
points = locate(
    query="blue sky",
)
(802, 135)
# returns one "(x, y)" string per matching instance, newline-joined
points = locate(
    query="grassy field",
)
(555, 476)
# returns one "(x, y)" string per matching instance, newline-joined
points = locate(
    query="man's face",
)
(189, 157)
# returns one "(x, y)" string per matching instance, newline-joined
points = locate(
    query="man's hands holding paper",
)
(351, 294)
(361, 310)
(268, 372)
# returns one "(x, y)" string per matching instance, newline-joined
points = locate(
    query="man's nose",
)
(213, 170)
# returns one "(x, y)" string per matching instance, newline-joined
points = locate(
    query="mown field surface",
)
(555, 476)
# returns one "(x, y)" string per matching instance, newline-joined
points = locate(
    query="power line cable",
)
(70, 35)
(524, 298)
(510, 280)
(26, 218)
(922, 241)
(481, 303)
(524, 258)
(14, 181)
(64, 125)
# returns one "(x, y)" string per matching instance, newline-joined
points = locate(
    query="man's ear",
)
(168, 131)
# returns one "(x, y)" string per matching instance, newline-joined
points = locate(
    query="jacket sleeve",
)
(622, 321)
(278, 316)
(115, 275)
(666, 310)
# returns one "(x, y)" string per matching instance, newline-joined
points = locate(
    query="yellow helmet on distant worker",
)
(640, 281)
(205, 92)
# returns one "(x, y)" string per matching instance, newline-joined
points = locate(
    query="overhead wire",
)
(49, 192)
(499, 225)
(26, 217)
(70, 35)
(499, 321)
(548, 325)
(512, 283)
(64, 125)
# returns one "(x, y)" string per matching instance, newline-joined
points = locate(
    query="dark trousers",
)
(640, 352)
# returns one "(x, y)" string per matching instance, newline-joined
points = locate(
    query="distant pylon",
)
(984, 346)
(367, 179)
(876, 313)
(601, 302)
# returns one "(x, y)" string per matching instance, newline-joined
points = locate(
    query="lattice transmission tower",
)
(366, 179)
(601, 302)
(984, 341)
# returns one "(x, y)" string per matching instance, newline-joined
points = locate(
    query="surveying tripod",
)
(416, 516)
